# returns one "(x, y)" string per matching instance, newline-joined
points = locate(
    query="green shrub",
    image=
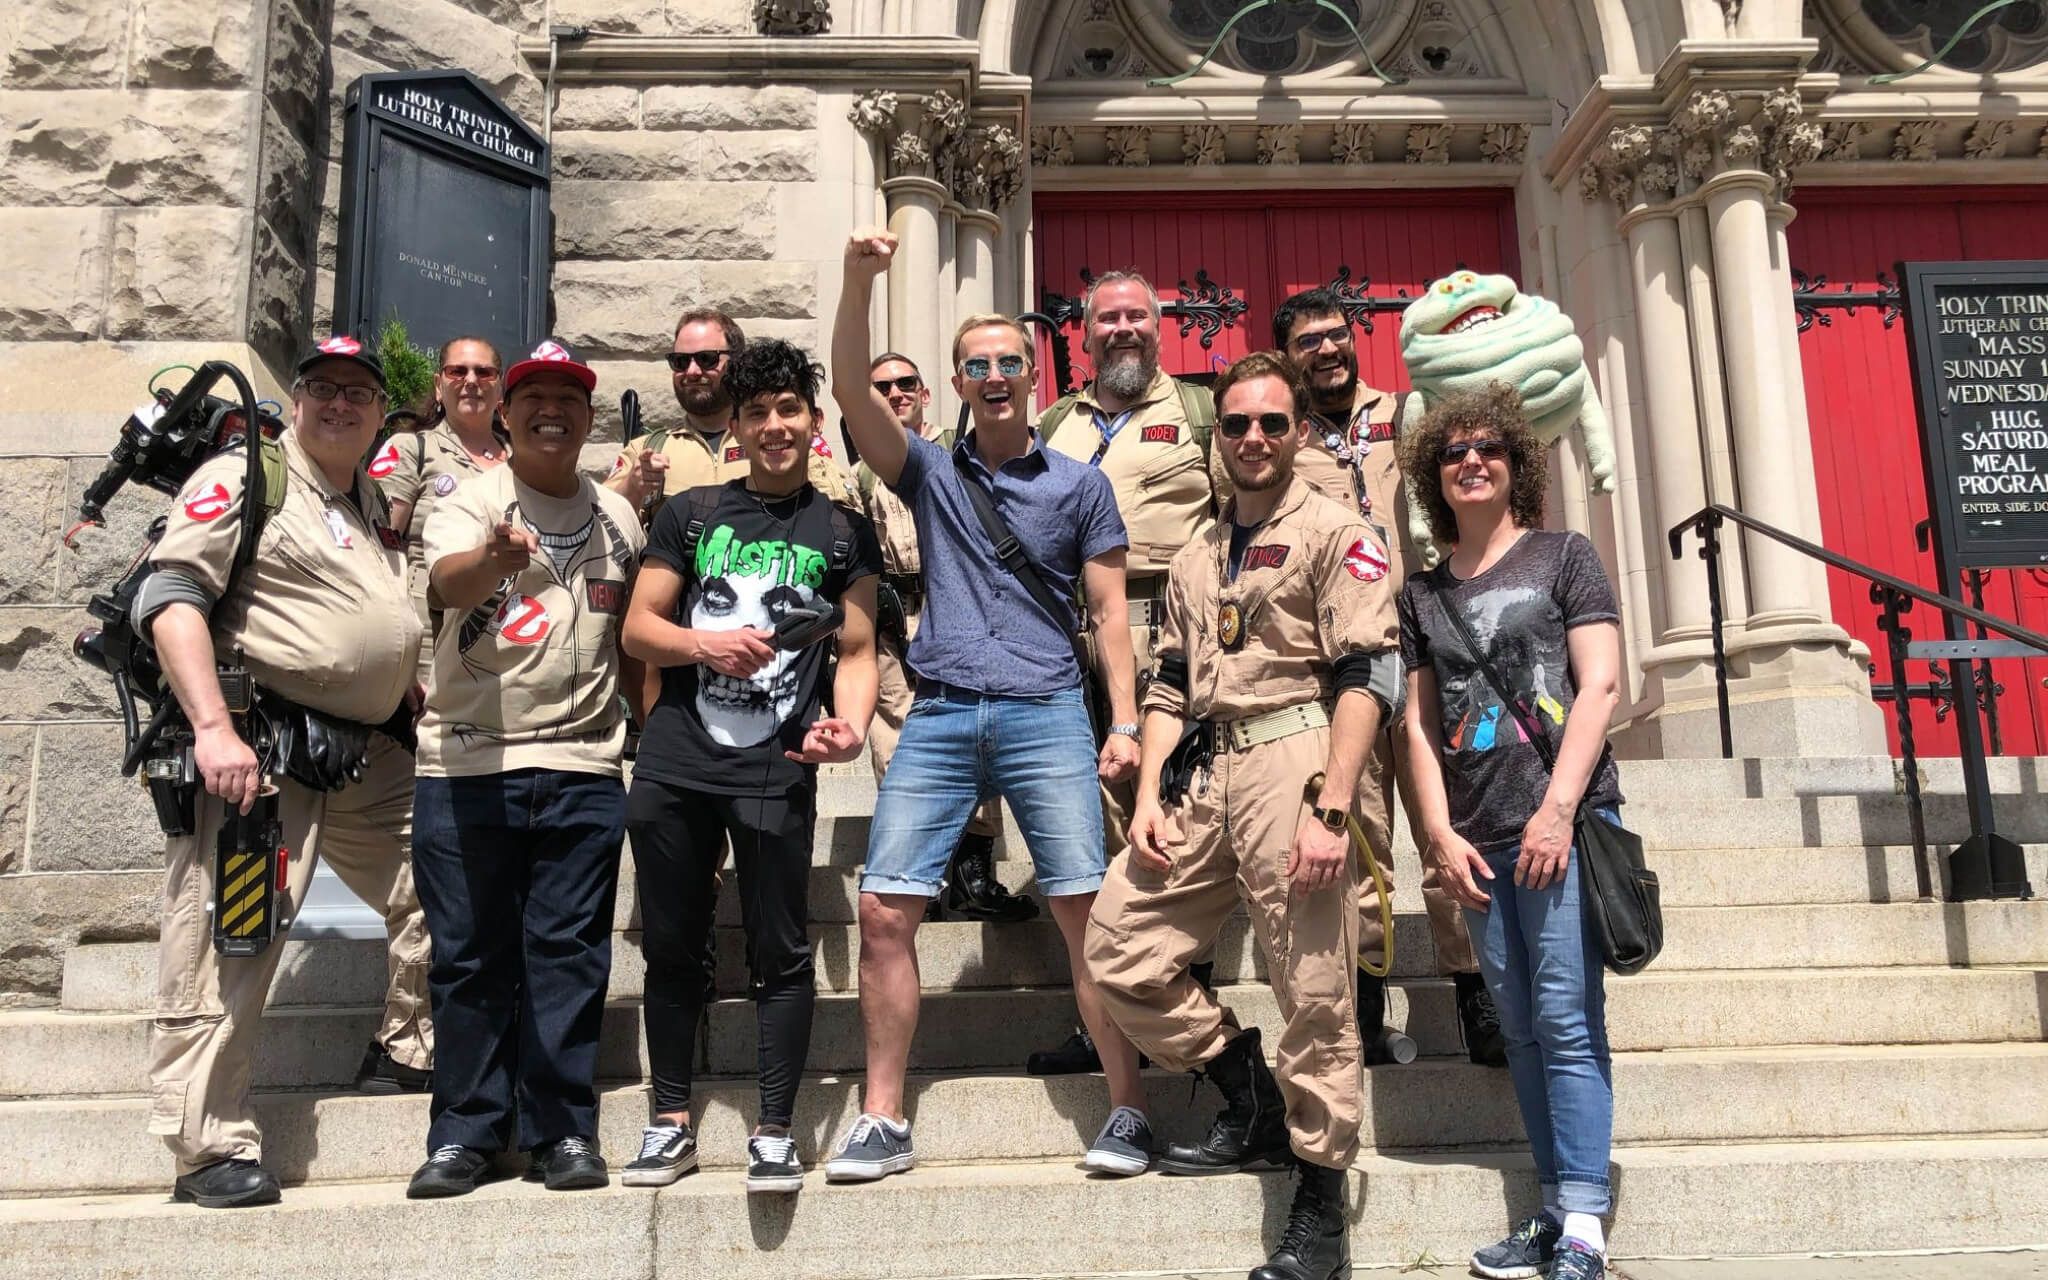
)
(408, 370)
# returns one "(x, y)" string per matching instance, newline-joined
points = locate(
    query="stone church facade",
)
(171, 174)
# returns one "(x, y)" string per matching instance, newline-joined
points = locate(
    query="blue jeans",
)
(1543, 967)
(958, 749)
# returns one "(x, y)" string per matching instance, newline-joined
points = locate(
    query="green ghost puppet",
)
(1468, 330)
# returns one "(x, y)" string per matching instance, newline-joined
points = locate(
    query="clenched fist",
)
(869, 252)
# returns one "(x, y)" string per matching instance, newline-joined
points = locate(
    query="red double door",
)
(1866, 442)
(1231, 258)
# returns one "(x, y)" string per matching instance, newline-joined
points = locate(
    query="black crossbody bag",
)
(1622, 901)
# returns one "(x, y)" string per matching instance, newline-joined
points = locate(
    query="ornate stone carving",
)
(1052, 145)
(918, 131)
(986, 167)
(1130, 145)
(792, 17)
(1658, 179)
(1697, 158)
(1279, 144)
(1915, 140)
(1201, 145)
(1744, 146)
(1352, 143)
(1704, 112)
(1987, 140)
(874, 111)
(1620, 161)
(1842, 140)
(1429, 144)
(1504, 143)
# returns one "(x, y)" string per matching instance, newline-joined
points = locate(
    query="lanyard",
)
(1109, 427)
(1350, 445)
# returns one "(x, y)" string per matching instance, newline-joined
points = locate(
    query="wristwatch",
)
(1125, 730)
(1334, 819)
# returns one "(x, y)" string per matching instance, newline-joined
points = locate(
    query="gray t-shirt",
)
(1518, 611)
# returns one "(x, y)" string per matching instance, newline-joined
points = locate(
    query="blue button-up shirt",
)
(981, 629)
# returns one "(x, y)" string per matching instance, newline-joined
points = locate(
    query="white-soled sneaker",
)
(772, 1166)
(874, 1147)
(667, 1152)
(1124, 1147)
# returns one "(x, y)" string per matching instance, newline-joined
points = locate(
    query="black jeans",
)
(678, 841)
(518, 874)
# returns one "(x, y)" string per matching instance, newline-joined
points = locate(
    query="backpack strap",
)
(1200, 408)
(617, 547)
(1055, 414)
(841, 554)
(702, 503)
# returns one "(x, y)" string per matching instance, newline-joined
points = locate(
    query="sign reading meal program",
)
(444, 213)
(1979, 335)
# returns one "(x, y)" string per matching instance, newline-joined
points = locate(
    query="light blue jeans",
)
(958, 749)
(1543, 967)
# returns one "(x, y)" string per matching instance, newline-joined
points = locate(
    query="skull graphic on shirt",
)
(750, 585)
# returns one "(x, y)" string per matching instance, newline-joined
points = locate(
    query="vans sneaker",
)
(1124, 1147)
(772, 1165)
(667, 1152)
(874, 1147)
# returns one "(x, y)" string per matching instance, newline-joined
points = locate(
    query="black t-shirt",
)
(757, 559)
(1518, 611)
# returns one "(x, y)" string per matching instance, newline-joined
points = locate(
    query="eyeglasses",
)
(1235, 426)
(976, 368)
(1310, 343)
(458, 372)
(907, 384)
(353, 392)
(680, 361)
(1490, 448)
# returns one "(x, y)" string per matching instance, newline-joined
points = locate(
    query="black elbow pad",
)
(1173, 672)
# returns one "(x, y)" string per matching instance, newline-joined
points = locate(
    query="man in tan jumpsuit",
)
(321, 618)
(1277, 642)
(972, 891)
(1350, 458)
(703, 450)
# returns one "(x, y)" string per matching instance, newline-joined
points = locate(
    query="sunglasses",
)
(1490, 449)
(457, 372)
(1235, 426)
(706, 361)
(976, 368)
(1310, 343)
(907, 384)
(353, 392)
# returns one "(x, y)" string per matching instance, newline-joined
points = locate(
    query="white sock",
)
(1585, 1228)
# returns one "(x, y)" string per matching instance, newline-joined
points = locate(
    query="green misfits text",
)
(720, 556)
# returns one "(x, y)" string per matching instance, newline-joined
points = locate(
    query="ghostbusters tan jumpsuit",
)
(1314, 586)
(1167, 493)
(421, 469)
(1353, 463)
(323, 619)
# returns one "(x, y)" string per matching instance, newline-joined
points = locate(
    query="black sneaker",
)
(772, 1166)
(382, 1074)
(1576, 1262)
(227, 1184)
(1526, 1252)
(1124, 1147)
(1075, 1056)
(667, 1152)
(568, 1164)
(451, 1171)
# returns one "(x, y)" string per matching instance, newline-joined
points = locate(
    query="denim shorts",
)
(960, 748)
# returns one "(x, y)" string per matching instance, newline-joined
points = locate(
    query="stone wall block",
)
(32, 512)
(769, 290)
(431, 33)
(87, 816)
(40, 678)
(670, 156)
(599, 107)
(527, 17)
(323, 300)
(50, 155)
(54, 286)
(103, 555)
(663, 220)
(195, 46)
(329, 233)
(180, 148)
(703, 106)
(756, 157)
(62, 44)
(589, 155)
(286, 190)
(658, 407)
(295, 81)
(17, 766)
(642, 17)
(622, 308)
(343, 67)
(170, 267)
(278, 304)
(44, 916)
(710, 17)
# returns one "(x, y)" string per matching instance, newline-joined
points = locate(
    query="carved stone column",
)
(987, 170)
(916, 134)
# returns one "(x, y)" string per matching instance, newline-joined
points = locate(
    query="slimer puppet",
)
(1468, 330)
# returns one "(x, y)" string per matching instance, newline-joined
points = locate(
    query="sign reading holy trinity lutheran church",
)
(444, 213)
(1979, 333)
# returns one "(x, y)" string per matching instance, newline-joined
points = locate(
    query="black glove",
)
(320, 751)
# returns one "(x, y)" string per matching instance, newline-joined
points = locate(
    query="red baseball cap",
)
(551, 357)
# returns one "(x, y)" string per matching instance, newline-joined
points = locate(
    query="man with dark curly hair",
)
(735, 605)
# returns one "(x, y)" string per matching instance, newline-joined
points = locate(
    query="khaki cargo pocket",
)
(167, 1110)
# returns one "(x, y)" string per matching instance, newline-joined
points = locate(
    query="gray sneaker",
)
(667, 1152)
(874, 1147)
(1124, 1147)
(1526, 1252)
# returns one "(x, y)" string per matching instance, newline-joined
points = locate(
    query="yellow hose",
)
(1379, 883)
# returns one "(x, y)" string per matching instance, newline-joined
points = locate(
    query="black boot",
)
(1251, 1131)
(1075, 1056)
(1317, 1242)
(1204, 974)
(1383, 1046)
(1480, 1021)
(380, 1073)
(226, 1184)
(974, 893)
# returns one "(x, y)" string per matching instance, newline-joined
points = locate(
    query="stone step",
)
(958, 955)
(56, 1053)
(74, 1146)
(1046, 1218)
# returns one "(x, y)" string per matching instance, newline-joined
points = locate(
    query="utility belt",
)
(898, 598)
(1201, 740)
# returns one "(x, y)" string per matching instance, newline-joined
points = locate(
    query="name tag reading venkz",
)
(604, 595)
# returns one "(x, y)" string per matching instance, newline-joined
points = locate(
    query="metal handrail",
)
(1895, 597)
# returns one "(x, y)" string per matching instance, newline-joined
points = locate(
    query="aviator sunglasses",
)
(706, 361)
(458, 372)
(907, 384)
(975, 368)
(1491, 449)
(1234, 426)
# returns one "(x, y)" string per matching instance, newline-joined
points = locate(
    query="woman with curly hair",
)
(1539, 608)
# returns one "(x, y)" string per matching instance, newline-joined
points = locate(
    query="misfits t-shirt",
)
(1518, 611)
(756, 560)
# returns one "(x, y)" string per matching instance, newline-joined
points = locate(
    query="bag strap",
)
(1055, 414)
(1530, 729)
(1200, 408)
(1010, 552)
(702, 505)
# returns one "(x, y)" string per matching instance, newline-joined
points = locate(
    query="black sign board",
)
(1979, 337)
(444, 213)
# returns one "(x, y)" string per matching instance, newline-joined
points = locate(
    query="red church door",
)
(1859, 400)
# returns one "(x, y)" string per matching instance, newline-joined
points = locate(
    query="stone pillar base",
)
(1787, 696)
